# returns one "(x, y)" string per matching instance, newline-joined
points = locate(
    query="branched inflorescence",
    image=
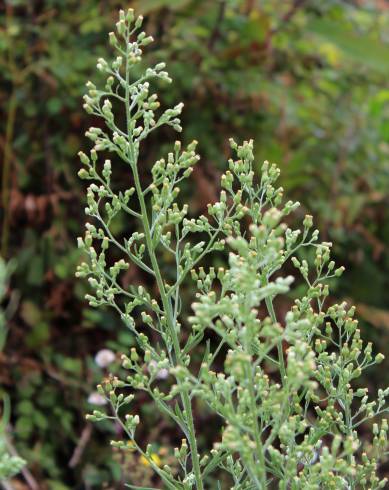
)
(282, 384)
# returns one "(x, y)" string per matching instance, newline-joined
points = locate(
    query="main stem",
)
(172, 330)
(133, 158)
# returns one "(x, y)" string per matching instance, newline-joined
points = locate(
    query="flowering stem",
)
(173, 333)
(133, 157)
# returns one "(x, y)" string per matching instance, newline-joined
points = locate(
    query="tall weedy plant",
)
(297, 428)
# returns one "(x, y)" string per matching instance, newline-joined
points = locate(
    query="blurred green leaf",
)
(38, 336)
(56, 485)
(146, 6)
(30, 313)
(362, 49)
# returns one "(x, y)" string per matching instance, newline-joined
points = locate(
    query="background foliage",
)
(306, 79)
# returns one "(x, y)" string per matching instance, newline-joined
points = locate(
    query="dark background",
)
(308, 80)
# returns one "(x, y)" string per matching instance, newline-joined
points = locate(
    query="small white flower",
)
(104, 357)
(161, 374)
(96, 399)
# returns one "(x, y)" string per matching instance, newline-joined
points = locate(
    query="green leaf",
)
(36, 271)
(39, 335)
(362, 49)
(72, 365)
(150, 5)
(56, 485)
(25, 407)
(30, 313)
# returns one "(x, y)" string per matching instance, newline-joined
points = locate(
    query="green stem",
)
(132, 159)
(165, 301)
(161, 473)
(257, 431)
(173, 333)
(270, 309)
